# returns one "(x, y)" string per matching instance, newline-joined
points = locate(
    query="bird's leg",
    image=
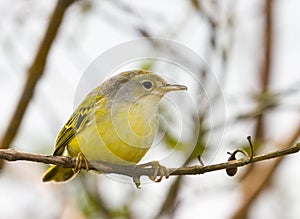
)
(162, 170)
(79, 159)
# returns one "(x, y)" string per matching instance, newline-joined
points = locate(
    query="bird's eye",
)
(147, 84)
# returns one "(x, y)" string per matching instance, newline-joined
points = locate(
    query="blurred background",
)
(240, 60)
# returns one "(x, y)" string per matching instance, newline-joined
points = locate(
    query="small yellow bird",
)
(115, 123)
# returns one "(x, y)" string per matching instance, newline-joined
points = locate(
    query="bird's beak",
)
(172, 87)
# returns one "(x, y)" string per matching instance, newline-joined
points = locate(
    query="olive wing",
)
(79, 120)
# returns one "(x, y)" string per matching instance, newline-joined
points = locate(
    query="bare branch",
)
(137, 170)
(260, 176)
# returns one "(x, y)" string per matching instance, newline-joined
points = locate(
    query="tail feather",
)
(58, 174)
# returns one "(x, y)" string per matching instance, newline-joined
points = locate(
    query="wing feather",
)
(79, 120)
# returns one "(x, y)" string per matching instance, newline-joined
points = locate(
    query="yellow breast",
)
(121, 137)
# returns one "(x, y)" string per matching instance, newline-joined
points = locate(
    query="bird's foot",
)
(159, 171)
(79, 159)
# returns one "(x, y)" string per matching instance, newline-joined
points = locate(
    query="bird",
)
(116, 123)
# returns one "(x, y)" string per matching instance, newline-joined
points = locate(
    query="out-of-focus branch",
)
(140, 170)
(167, 207)
(265, 71)
(35, 71)
(259, 177)
(259, 133)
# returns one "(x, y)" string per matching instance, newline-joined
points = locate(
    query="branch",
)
(138, 170)
(265, 71)
(35, 71)
(259, 178)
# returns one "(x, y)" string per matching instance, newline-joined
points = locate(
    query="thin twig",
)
(260, 176)
(136, 170)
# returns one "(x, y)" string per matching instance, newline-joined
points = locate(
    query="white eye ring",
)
(147, 84)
